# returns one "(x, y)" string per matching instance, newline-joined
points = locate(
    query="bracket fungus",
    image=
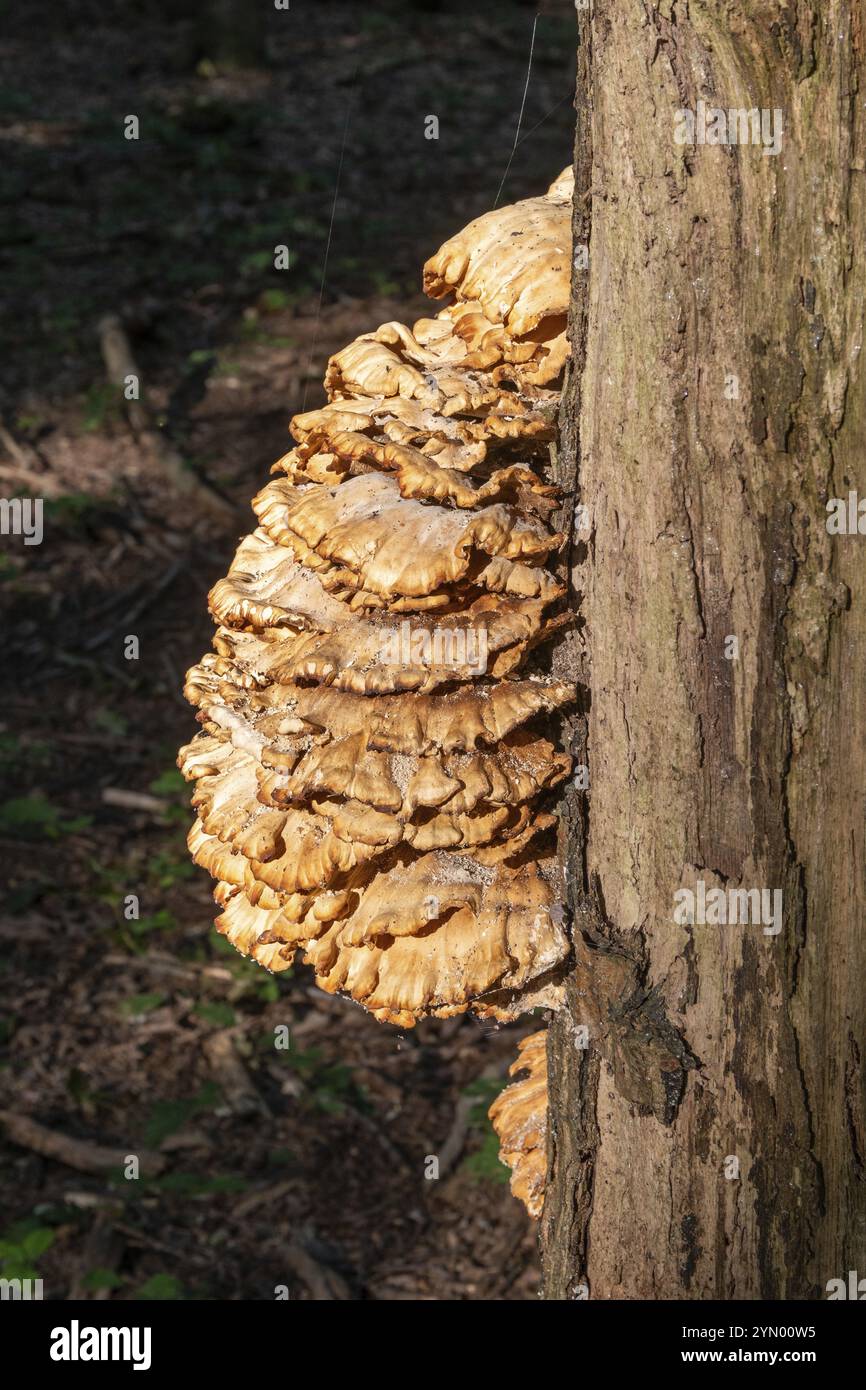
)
(519, 1116)
(368, 776)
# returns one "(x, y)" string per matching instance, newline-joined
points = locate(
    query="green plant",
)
(132, 934)
(110, 722)
(268, 990)
(162, 920)
(484, 1163)
(138, 1004)
(99, 1279)
(171, 785)
(103, 402)
(80, 1090)
(213, 1011)
(20, 752)
(256, 261)
(384, 285)
(247, 973)
(21, 1247)
(168, 783)
(160, 1287)
(168, 1116)
(34, 816)
(483, 1092)
(221, 946)
(166, 867)
(29, 424)
(74, 511)
(272, 301)
(330, 1085)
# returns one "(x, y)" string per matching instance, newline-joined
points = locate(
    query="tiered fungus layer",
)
(519, 1117)
(369, 766)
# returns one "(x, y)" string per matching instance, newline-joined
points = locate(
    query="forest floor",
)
(302, 1167)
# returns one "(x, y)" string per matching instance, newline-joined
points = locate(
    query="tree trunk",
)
(709, 1142)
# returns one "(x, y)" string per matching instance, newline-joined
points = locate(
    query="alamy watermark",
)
(720, 907)
(713, 125)
(458, 647)
(16, 1290)
(22, 516)
(846, 516)
(854, 1288)
(77, 1343)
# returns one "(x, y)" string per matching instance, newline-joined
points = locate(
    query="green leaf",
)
(102, 1279)
(278, 1158)
(19, 1270)
(274, 300)
(35, 1243)
(161, 1287)
(111, 722)
(222, 1015)
(15, 752)
(169, 783)
(221, 946)
(168, 1116)
(33, 814)
(256, 261)
(78, 1086)
(305, 1060)
(485, 1164)
(328, 1103)
(103, 401)
(167, 868)
(139, 1004)
(163, 920)
(484, 1090)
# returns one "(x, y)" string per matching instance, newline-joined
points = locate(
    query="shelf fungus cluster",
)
(372, 756)
(519, 1117)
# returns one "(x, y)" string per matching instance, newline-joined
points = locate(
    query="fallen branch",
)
(158, 964)
(21, 453)
(134, 801)
(120, 365)
(264, 1195)
(81, 1154)
(455, 1141)
(324, 1283)
(41, 483)
(231, 1075)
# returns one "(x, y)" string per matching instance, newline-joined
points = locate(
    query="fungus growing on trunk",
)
(519, 1117)
(368, 775)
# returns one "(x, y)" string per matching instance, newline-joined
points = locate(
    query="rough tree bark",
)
(710, 1141)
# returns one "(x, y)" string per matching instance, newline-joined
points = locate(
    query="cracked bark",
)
(716, 402)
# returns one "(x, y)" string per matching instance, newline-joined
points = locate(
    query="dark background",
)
(308, 1170)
